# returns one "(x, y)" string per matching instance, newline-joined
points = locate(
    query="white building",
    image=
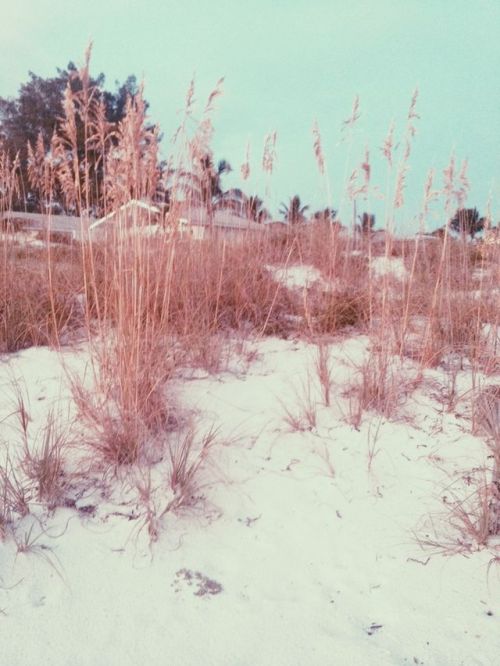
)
(67, 227)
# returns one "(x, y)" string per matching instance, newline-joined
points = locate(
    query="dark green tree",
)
(294, 212)
(255, 209)
(211, 180)
(251, 207)
(439, 232)
(34, 115)
(202, 184)
(467, 222)
(366, 222)
(327, 215)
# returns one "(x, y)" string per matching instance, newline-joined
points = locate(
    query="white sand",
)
(391, 266)
(299, 276)
(295, 554)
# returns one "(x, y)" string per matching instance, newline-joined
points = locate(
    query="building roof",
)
(276, 223)
(222, 219)
(55, 223)
(130, 206)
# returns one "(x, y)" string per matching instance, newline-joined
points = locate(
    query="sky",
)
(287, 63)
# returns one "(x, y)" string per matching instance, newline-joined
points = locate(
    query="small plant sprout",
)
(324, 371)
(304, 415)
(188, 454)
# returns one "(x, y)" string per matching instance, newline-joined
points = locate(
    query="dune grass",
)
(150, 303)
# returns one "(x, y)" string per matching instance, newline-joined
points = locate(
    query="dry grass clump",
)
(477, 516)
(37, 298)
(216, 287)
(332, 311)
(323, 369)
(38, 473)
(187, 455)
(123, 424)
(303, 415)
(456, 328)
(472, 519)
(453, 295)
(126, 281)
(175, 483)
(487, 406)
(14, 498)
(466, 525)
(382, 385)
(43, 462)
(342, 299)
(333, 252)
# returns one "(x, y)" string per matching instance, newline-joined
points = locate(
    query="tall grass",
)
(152, 302)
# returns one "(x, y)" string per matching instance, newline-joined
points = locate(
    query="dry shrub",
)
(333, 311)
(382, 386)
(55, 237)
(320, 245)
(37, 297)
(347, 300)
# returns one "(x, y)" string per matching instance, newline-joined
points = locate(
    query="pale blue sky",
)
(286, 63)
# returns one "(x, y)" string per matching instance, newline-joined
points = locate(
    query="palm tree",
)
(212, 177)
(233, 200)
(467, 222)
(294, 213)
(325, 215)
(255, 209)
(366, 223)
(203, 185)
(439, 232)
(251, 207)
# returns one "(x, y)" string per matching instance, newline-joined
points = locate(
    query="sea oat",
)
(355, 114)
(245, 167)
(318, 150)
(389, 144)
(216, 92)
(269, 155)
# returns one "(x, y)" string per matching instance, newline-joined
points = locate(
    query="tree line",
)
(29, 122)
